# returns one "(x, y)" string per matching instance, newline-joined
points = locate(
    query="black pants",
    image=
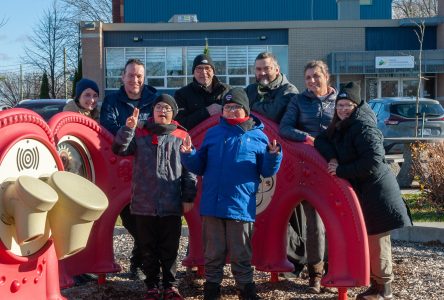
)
(129, 222)
(158, 242)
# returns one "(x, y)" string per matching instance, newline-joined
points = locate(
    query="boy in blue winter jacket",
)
(233, 156)
(162, 189)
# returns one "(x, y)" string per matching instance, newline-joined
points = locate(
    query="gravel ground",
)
(418, 268)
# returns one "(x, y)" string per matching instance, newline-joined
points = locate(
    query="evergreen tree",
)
(77, 77)
(44, 87)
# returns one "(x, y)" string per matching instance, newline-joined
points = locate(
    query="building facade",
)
(358, 40)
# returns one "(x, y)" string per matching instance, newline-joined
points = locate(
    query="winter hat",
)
(351, 91)
(237, 95)
(84, 84)
(168, 100)
(202, 59)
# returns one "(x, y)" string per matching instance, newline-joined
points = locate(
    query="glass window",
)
(155, 65)
(366, 2)
(156, 82)
(170, 67)
(115, 61)
(219, 56)
(237, 61)
(175, 61)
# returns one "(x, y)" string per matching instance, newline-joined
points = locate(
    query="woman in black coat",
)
(353, 147)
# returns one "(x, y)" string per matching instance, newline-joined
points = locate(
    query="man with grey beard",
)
(272, 91)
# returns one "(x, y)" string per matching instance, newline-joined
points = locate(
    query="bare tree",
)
(47, 44)
(90, 10)
(3, 22)
(414, 8)
(419, 31)
(10, 87)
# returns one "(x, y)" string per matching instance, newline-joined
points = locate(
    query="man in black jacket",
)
(201, 98)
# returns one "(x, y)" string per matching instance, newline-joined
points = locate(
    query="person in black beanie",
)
(201, 98)
(353, 148)
(159, 198)
(86, 99)
(237, 150)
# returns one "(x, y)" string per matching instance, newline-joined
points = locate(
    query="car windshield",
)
(408, 110)
(45, 110)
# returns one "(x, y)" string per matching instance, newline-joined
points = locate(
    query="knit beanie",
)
(237, 95)
(168, 100)
(203, 59)
(351, 91)
(84, 84)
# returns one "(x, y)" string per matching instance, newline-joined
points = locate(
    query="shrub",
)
(428, 166)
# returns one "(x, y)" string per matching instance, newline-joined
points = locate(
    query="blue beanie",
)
(84, 84)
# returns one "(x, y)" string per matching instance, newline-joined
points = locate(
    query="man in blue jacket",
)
(116, 108)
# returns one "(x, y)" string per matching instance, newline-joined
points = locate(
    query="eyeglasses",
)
(233, 108)
(200, 69)
(160, 108)
(345, 106)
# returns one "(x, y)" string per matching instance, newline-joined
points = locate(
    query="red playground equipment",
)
(77, 144)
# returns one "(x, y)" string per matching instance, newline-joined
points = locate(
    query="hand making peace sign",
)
(131, 122)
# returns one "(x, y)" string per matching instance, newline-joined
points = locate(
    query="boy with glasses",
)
(162, 190)
(237, 151)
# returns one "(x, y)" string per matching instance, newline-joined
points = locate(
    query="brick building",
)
(357, 38)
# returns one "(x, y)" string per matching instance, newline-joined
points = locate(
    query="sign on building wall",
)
(394, 62)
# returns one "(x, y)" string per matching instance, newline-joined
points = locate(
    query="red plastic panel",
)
(113, 176)
(302, 175)
(34, 276)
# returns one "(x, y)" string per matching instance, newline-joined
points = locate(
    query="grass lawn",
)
(422, 210)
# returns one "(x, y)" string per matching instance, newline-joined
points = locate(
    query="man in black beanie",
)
(201, 98)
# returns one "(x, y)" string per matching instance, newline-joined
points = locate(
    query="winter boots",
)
(211, 291)
(377, 292)
(315, 273)
(248, 292)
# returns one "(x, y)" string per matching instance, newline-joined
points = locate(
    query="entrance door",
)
(388, 88)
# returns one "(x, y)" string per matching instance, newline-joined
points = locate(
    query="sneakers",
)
(155, 294)
(171, 294)
(135, 273)
(377, 292)
(314, 285)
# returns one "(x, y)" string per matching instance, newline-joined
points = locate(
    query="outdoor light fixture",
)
(89, 25)
(137, 39)
(263, 37)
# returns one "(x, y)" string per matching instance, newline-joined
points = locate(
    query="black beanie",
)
(351, 91)
(203, 59)
(84, 84)
(168, 100)
(237, 95)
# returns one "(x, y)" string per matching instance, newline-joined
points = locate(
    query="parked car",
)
(44, 107)
(396, 117)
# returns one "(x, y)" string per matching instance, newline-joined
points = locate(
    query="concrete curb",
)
(420, 232)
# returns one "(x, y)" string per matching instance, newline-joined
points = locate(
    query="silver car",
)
(396, 118)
